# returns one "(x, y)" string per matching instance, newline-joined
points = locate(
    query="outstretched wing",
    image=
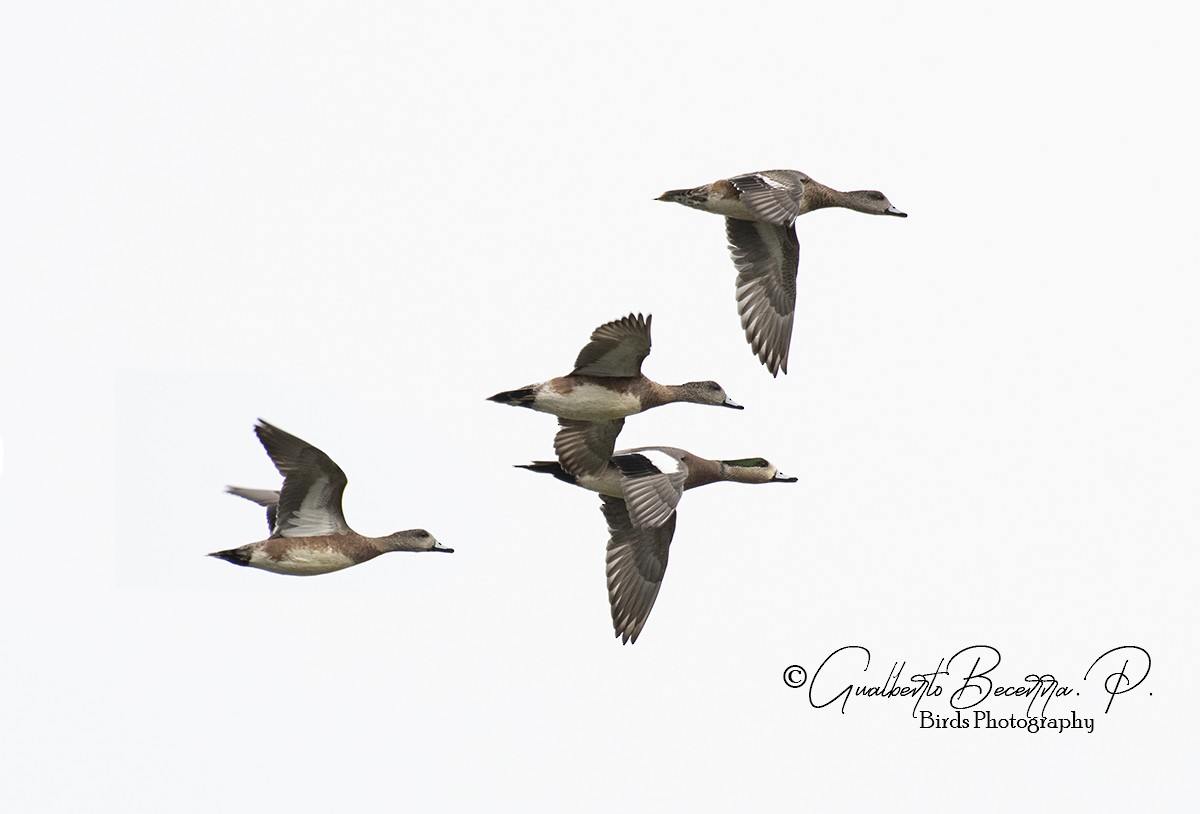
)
(584, 447)
(263, 497)
(767, 257)
(617, 348)
(310, 503)
(636, 562)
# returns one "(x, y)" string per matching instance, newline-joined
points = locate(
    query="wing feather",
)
(616, 348)
(310, 502)
(636, 562)
(772, 196)
(584, 447)
(263, 497)
(652, 482)
(767, 258)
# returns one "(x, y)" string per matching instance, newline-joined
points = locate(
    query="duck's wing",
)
(652, 480)
(772, 196)
(767, 257)
(617, 348)
(263, 497)
(310, 503)
(584, 447)
(636, 562)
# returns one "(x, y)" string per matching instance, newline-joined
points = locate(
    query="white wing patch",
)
(667, 464)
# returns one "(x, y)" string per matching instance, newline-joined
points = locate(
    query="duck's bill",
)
(782, 478)
(891, 210)
(442, 548)
(731, 403)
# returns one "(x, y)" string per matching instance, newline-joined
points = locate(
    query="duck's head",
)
(706, 393)
(753, 470)
(873, 202)
(415, 540)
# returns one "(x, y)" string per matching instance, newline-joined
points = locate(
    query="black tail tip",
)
(517, 398)
(234, 555)
(549, 468)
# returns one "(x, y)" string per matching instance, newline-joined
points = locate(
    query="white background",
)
(358, 222)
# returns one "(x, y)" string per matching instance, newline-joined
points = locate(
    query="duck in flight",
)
(607, 384)
(760, 210)
(639, 492)
(309, 534)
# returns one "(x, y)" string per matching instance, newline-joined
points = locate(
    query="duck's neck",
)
(740, 474)
(400, 541)
(819, 196)
(702, 471)
(658, 394)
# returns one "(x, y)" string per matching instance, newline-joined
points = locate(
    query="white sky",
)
(359, 222)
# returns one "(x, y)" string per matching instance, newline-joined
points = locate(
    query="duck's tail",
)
(517, 398)
(694, 197)
(549, 468)
(237, 556)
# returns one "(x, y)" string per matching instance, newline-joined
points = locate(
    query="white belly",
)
(728, 207)
(302, 562)
(607, 482)
(587, 402)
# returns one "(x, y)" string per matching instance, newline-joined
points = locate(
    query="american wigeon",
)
(606, 385)
(309, 534)
(639, 492)
(760, 211)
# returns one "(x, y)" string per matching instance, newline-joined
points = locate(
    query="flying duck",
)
(607, 384)
(309, 534)
(760, 210)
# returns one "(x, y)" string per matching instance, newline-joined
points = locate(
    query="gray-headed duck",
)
(760, 211)
(607, 384)
(309, 534)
